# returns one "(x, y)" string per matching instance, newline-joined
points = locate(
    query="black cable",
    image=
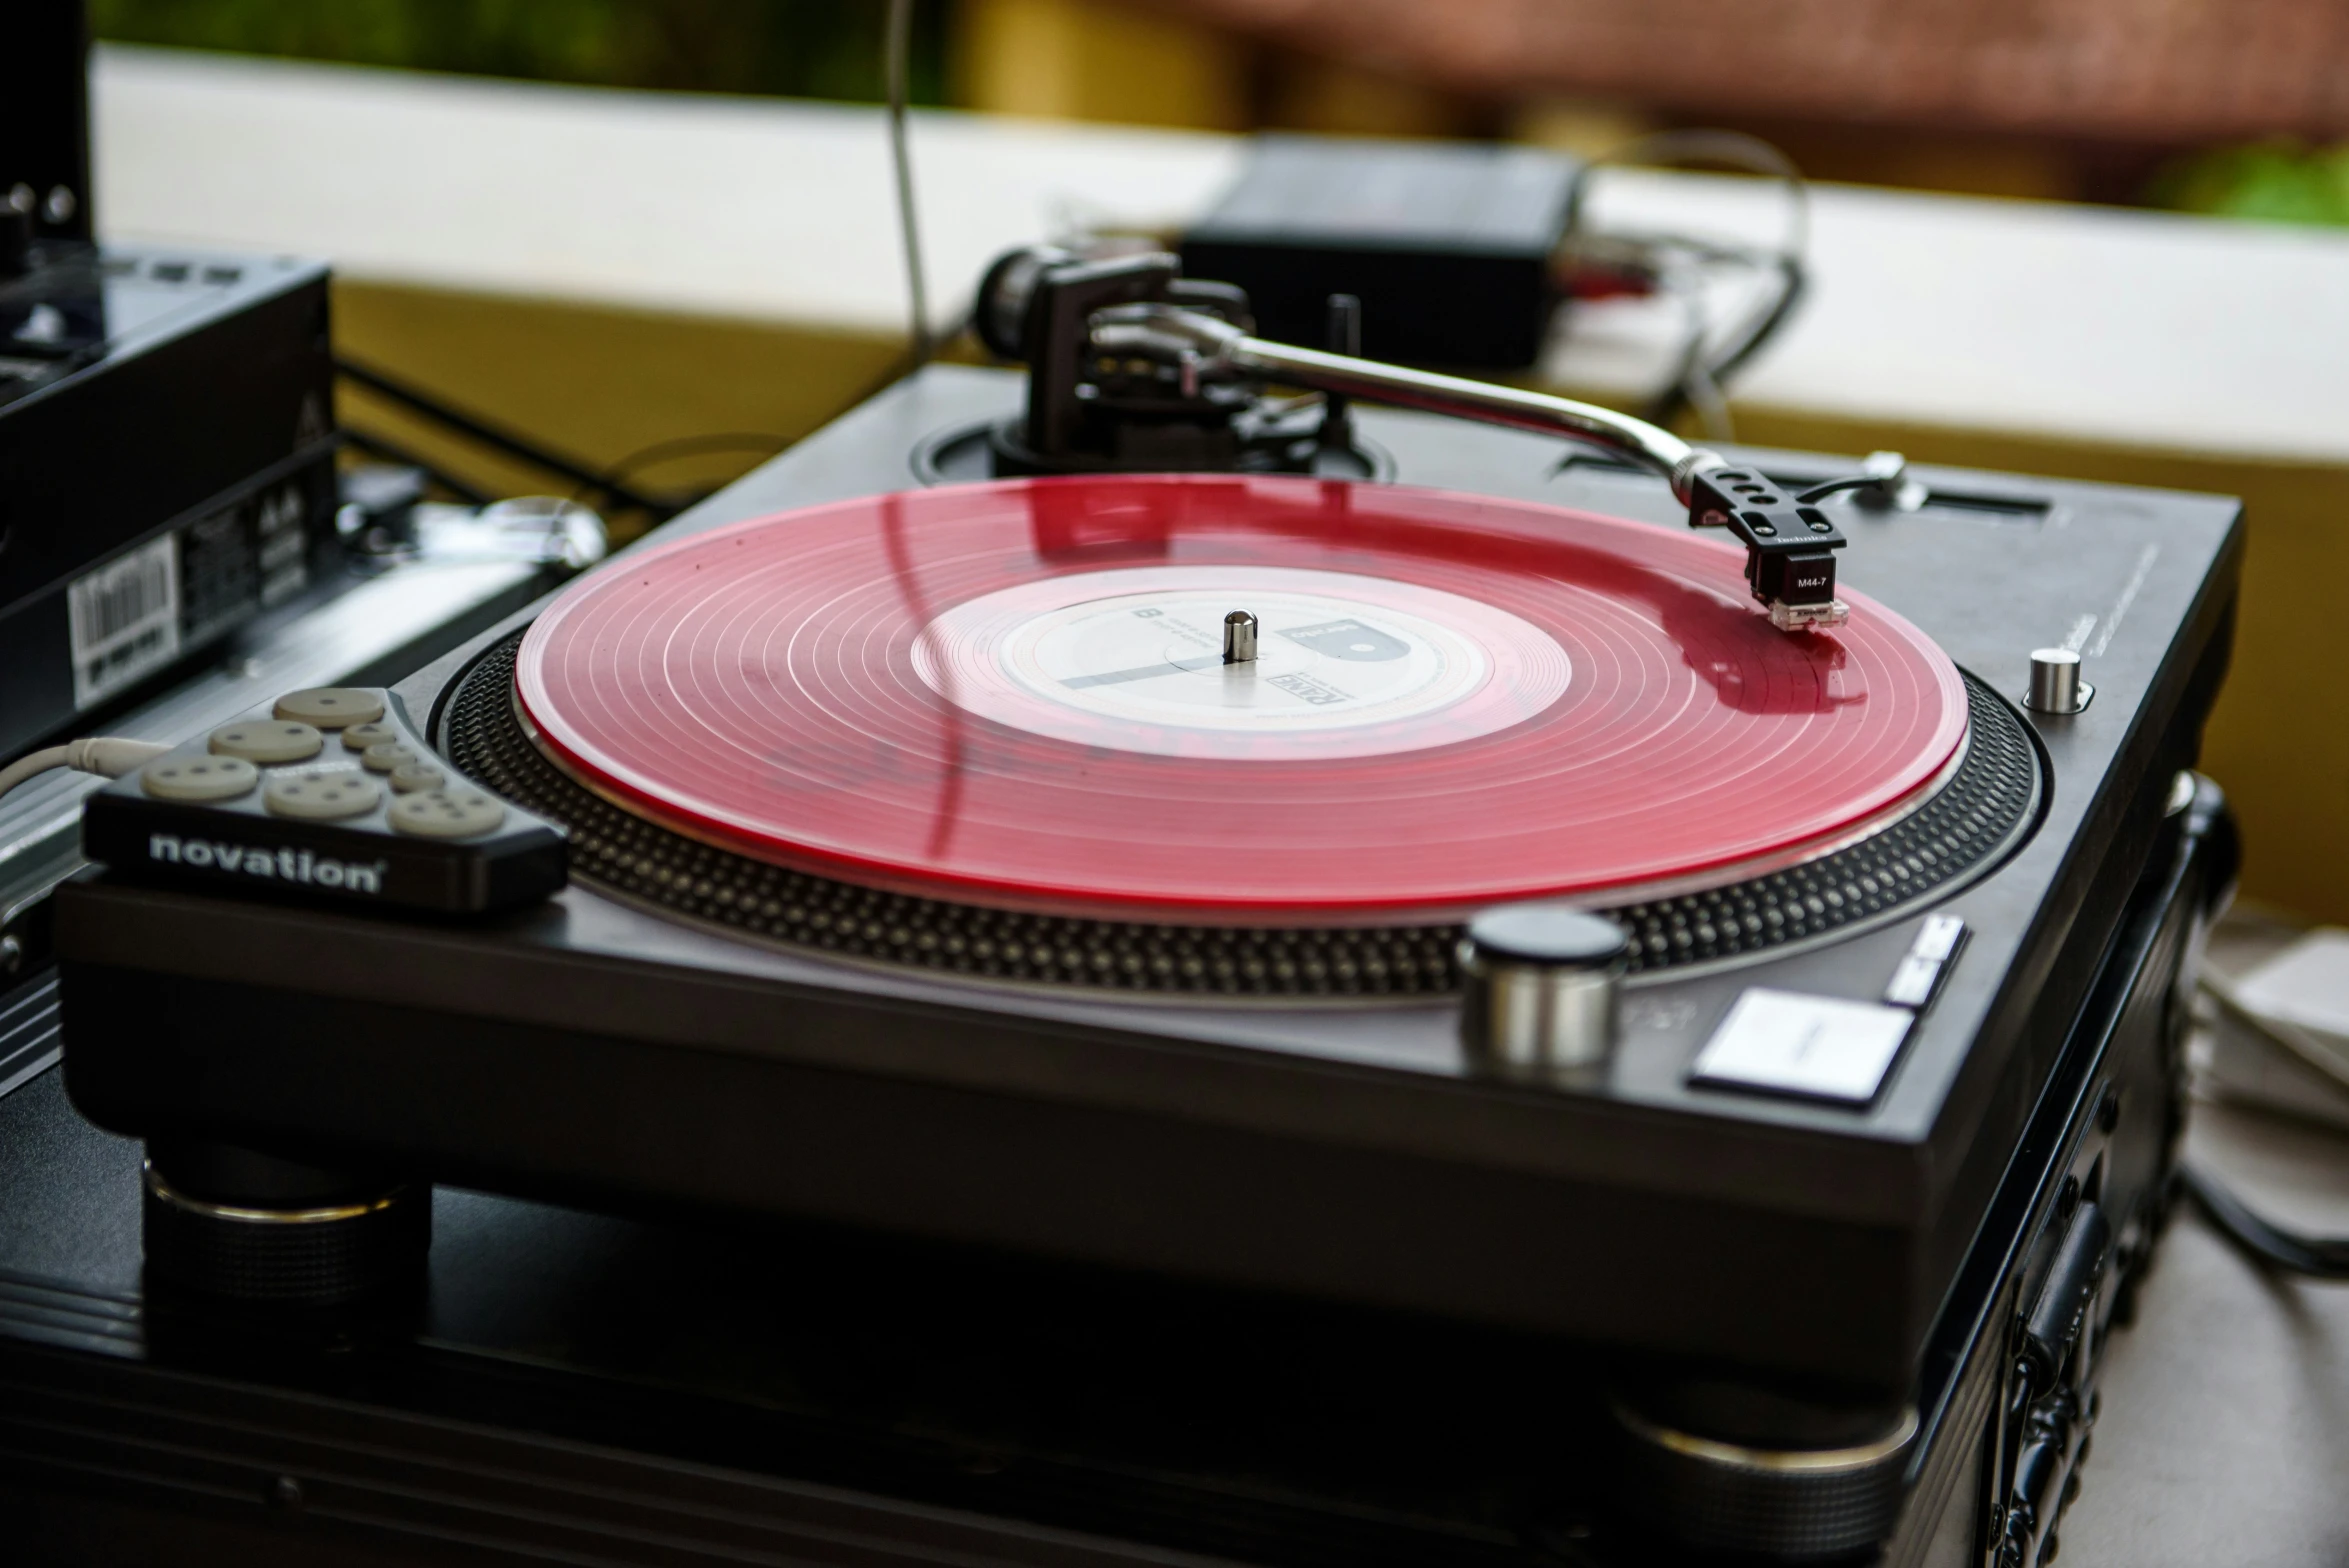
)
(695, 446)
(1794, 281)
(393, 452)
(691, 446)
(1699, 375)
(1832, 486)
(490, 435)
(2318, 1257)
(895, 66)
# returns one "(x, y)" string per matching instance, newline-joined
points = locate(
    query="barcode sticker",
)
(124, 620)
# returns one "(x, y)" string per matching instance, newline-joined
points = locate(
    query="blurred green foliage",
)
(2271, 182)
(794, 48)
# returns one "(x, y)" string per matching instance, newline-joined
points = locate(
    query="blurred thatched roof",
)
(2164, 70)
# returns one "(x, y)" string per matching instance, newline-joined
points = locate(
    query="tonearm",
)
(1070, 319)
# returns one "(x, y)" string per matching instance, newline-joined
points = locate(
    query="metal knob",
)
(2056, 686)
(1239, 638)
(1541, 983)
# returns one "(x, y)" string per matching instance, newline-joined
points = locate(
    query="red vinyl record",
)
(1016, 694)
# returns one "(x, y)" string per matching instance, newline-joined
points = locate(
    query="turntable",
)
(1336, 860)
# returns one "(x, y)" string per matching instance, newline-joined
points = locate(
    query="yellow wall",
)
(595, 383)
(1084, 60)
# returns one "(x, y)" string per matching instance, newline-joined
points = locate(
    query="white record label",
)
(1346, 666)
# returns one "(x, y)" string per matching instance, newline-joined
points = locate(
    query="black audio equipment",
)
(1449, 250)
(166, 466)
(166, 422)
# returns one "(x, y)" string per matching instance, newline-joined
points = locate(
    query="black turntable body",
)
(1162, 1232)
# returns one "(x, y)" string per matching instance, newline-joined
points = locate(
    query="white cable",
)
(28, 767)
(110, 755)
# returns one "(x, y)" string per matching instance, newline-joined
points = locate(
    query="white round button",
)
(331, 707)
(266, 740)
(322, 797)
(361, 736)
(199, 778)
(387, 757)
(410, 777)
(447, 813)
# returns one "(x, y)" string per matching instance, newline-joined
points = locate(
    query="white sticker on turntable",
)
(1346, 666)
(1815, 1047)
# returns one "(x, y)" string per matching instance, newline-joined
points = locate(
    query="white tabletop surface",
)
(2225, 1435)
(2224, 1441)
(2099, 325)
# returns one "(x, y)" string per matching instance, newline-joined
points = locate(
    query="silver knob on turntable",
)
(1541, 982)
(2056, 686)
(1239, 638)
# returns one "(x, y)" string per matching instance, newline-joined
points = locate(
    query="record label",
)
(1346, 665)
